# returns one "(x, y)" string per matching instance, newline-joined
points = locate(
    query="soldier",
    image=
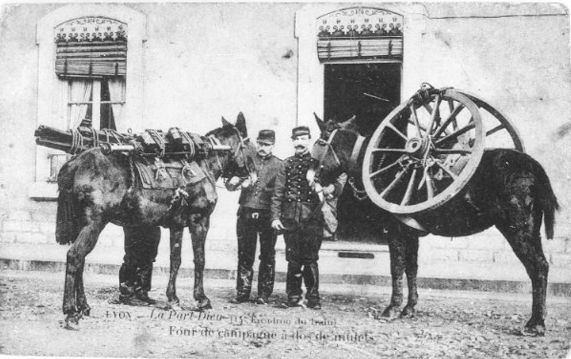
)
(254, 220)
(296, 209)
(141, 245)
(331, 194)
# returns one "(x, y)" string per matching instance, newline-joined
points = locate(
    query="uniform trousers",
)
(141, 246)
(303, 240)
(253, 223)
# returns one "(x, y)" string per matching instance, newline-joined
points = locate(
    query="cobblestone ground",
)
(449, 324)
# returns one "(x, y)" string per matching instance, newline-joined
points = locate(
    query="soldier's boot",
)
(293, 284)
(311, 278)
(243, 284)
(266, 276)
(145, 275)
(127, 278)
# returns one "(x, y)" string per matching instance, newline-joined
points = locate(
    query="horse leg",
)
(82, 305)
(176, 246)
(525, 241)
(198, 231)
(397, 252)
(74, 302)
(411, 260)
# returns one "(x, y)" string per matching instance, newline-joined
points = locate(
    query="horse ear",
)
(349, 124)
(320, 123)
(225, 122)
(241, 125)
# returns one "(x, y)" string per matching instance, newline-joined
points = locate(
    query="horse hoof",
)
(391, 312)
(408, 312)
(86, 311)
(533, 330)
(205, 305)
(72, 318)
(173, 300)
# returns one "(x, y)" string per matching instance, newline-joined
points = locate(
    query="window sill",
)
(43, 191)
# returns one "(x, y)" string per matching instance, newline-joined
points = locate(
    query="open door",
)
(370, 91)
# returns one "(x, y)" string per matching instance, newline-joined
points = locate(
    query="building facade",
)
(188, 64)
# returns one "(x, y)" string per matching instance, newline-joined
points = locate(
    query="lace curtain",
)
(80, 92)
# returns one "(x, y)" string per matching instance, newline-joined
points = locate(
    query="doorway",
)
(370, 91)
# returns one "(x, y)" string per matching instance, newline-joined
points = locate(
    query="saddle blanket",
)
(166, 173)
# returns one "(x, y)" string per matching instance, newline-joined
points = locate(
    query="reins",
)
(359, 194)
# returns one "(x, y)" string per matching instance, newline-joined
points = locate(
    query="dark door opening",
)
(344, 96)
(347, 84)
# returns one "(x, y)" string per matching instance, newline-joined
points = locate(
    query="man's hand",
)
(277, 225)
(253, 177)
(234, 181)
(327, 190)
(246, 183)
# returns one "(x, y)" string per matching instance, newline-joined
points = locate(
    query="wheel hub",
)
(417, 147)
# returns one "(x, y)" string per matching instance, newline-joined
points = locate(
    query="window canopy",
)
(360, 33)
(93, 47)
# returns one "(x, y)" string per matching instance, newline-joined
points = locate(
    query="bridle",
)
(353, 166)
(238, 151)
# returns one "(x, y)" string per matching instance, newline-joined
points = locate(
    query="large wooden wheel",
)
(499, 130)
(424, 152)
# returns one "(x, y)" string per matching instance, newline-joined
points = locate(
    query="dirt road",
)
(448, 324)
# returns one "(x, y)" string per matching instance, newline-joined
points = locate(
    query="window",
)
(95, 103)
(89, 69)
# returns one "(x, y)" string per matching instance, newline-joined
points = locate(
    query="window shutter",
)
(360, 33)
(365, 48)
(91, 47)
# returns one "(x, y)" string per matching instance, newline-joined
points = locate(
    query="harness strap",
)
(329, 140)
(186, 136)
(356, 151)
(159, 140)
(215, 141)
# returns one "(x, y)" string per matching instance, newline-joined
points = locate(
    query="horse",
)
(96, 189)
(510, 190)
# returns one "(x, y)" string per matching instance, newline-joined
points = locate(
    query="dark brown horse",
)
(97, 189)
(510, 190)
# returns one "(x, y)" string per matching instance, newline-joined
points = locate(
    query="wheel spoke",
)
(384, 169)
(447, 170)
(451, 151)
(451, 107)
(456, 133)
(418, 128)
(448, 120)
(433, 113)
(392, 127)
(495, 129)
(393, 184)
(410, 186)
(429, 188)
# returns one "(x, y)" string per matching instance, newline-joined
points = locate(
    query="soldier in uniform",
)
(254, 220)
(141, 246)
(296, 210)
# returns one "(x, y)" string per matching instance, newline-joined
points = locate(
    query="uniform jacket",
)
(293, 197)
(259, 194)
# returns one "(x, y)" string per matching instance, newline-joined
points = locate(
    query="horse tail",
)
(547, 200)
(68, 217)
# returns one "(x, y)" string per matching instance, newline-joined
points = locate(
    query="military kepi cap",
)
(267, 136)
(300, 131)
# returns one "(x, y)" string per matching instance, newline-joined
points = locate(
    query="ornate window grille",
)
(92, 47)
(360, 33)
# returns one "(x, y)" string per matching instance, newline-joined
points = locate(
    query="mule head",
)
(235, 136)
(334, 152)
(327, 127)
